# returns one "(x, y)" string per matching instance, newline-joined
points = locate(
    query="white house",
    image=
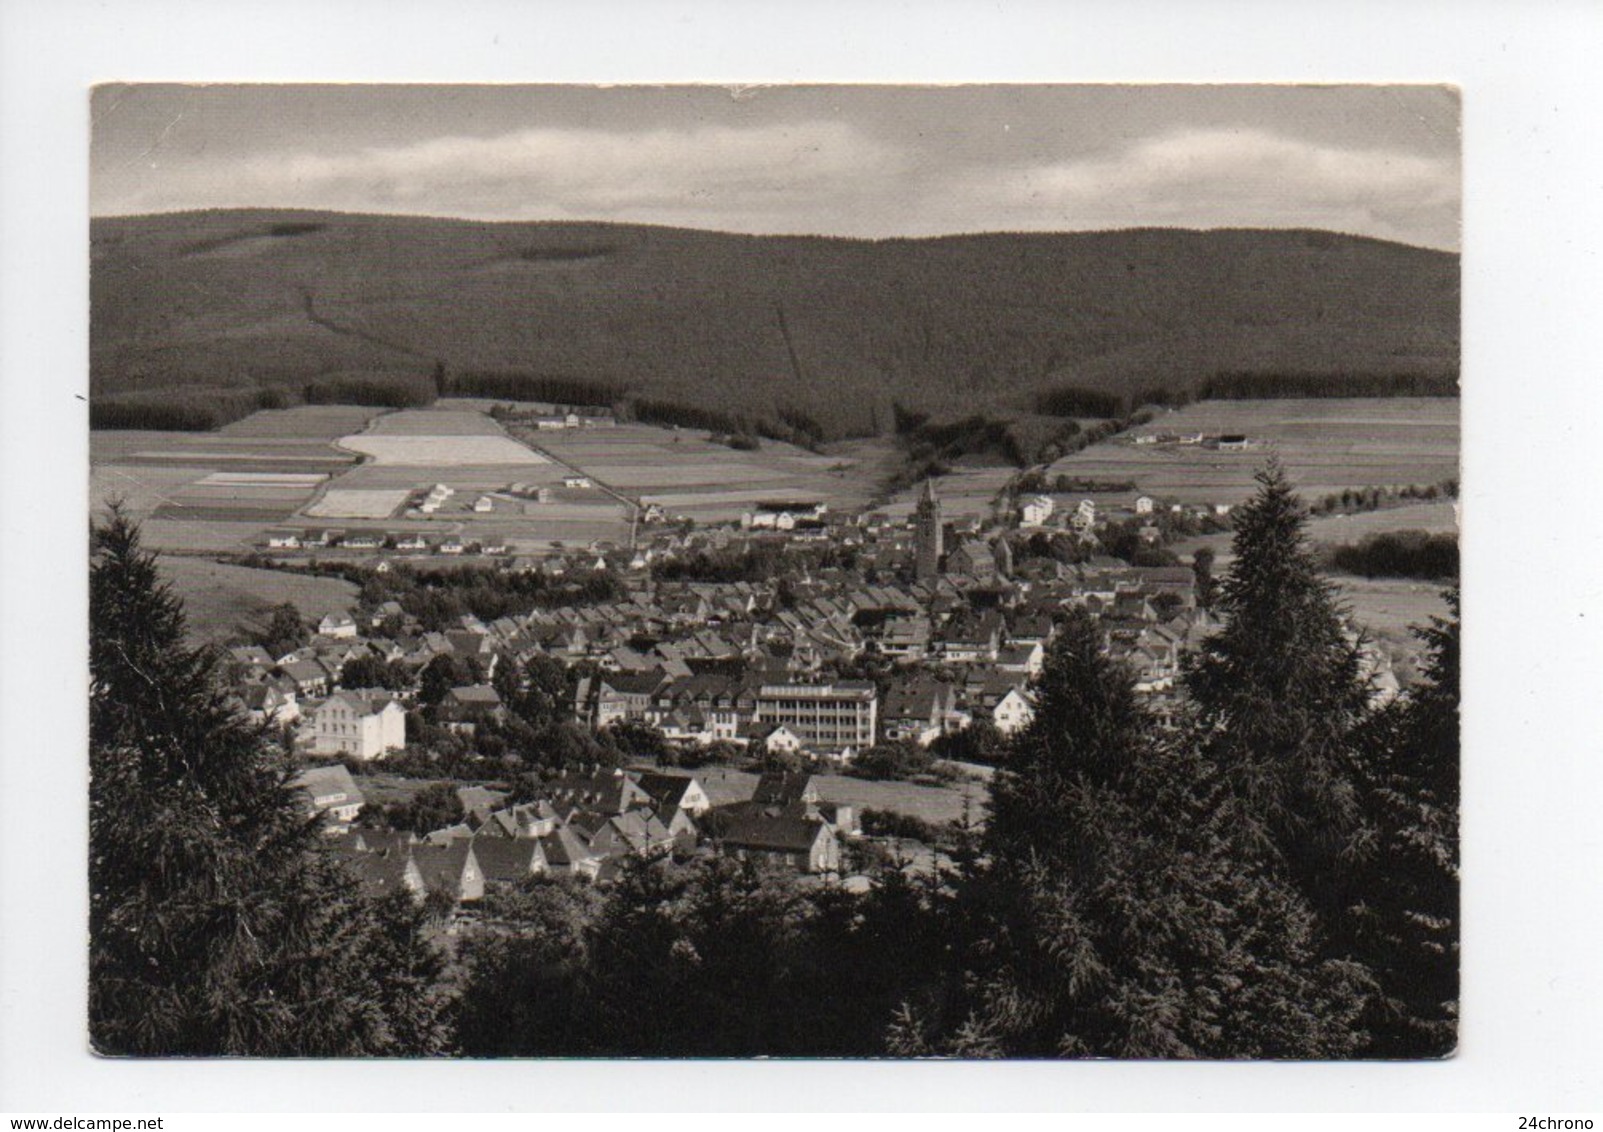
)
(1012, 713)
(782, 740)
(483, 504)
(331, 790)
(1035, 510)
(337, 625)
(1144, 505)
(348, 723)
(577, 481)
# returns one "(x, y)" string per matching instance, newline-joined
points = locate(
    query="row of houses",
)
(581, 826)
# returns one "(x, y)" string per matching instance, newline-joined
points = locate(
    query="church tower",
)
(928, 534)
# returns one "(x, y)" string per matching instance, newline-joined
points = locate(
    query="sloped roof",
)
(505, 859)
(781, 833)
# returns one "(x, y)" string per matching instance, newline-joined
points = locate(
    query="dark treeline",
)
(384, 392)
(184, 410)
(1076, 401)
(756, 561)
(1374, 498)
(1398, 554)
(205, 410)
(439, 598)
(545, 388)
(1264, 386)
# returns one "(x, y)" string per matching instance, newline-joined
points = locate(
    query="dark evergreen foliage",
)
(218, 924)
(1277, 694)
(1404, 921)
(1120, 915)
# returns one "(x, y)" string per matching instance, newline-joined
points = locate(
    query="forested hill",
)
(829, 332)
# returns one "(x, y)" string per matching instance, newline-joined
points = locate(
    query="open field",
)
(304, 422)
(219, 598)
(216, 491)
(1326, 445)
(931, 803)
(1438, 517)
(442, 451)
(436, 422)
(967, 493)
(1389, 606)
(347, 503)
(687, 474)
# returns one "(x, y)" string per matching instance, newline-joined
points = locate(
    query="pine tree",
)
(218, 924)
(1277, 693)
(1404, 918)
(1121, 915)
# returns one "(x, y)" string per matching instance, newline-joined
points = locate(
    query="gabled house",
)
(337, 625)
(509, 860)
(452, 869)
(675, 792)
(357, 724)
(790, 842)
(917, 710)
(602, 792)
(311, 677)
(331, 791)
(567, 853)
(1012, 712)
(464, 708)
(266, 703)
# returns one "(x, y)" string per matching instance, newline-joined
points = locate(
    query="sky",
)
(870, 161)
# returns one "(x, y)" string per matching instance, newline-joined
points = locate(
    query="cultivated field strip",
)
(1325, 445)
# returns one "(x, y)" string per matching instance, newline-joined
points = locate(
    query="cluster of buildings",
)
(362, 542)
(583, 825)
(925, 633)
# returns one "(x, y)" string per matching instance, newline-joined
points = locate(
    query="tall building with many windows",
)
(826, 717)
(928, 534)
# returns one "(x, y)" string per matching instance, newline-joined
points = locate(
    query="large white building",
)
(825, 717)
(365, 727)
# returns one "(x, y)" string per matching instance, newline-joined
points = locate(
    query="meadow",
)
(216, 491)
(222, 600)
(1326, 445)
(688, 474)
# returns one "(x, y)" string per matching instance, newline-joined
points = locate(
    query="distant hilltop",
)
(811, 338)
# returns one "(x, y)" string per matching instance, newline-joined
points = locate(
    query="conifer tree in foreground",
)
(218, 924)
(1121, 915)
(1277, 694)
(1405, 914)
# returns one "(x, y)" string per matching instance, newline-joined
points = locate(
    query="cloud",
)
(703, 171)
(829, 176)
(1216, 177)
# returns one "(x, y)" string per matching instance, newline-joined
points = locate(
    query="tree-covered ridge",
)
(798, 337)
